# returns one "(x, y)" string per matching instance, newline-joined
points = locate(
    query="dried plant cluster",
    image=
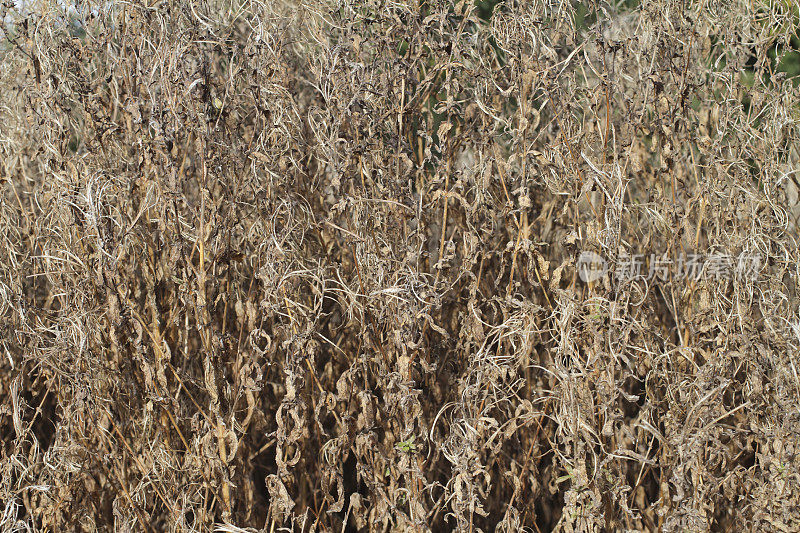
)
(312, 266)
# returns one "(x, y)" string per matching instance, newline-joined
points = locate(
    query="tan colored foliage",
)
(313, 265)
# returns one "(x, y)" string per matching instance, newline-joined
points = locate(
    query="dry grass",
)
(311, 265)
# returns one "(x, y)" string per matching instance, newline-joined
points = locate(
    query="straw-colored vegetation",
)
(313, 266)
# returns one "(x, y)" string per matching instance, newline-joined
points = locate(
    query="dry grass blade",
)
(435, 265)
